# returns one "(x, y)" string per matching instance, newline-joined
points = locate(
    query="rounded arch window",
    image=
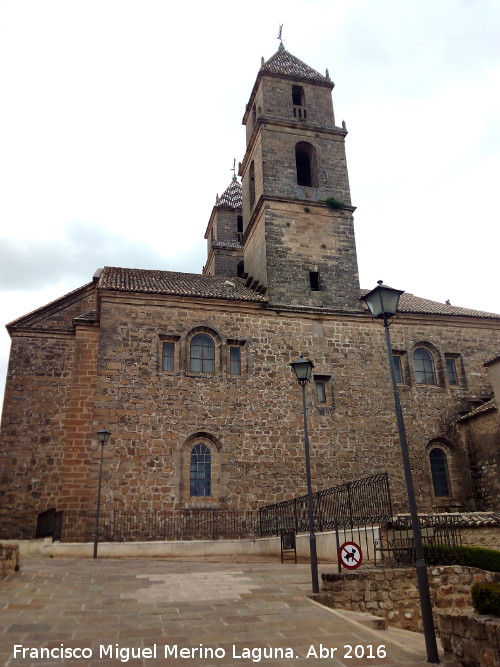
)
(439, 471)
(202, 354)
(425, 372)
(200, 471)
(305, 162)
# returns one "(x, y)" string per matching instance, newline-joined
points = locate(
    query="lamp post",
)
(303, 371)
(103, 437)
(383, 303)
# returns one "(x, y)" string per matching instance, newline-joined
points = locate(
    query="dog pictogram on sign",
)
(350, 555)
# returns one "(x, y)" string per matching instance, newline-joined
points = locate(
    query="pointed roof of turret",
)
(284, 63)
(232, 195)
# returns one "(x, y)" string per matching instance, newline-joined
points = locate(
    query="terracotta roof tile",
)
(409, 303)
(489, 406)
(284, 63)
(232, 196)
(178, 284)
(488, 362)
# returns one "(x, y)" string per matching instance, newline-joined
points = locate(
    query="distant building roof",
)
(286, 64)
(489, 406)
(178, 284)
(232, 195)
(409, 303)
(491, 361)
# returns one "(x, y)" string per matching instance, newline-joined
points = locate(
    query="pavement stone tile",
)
(141, 603)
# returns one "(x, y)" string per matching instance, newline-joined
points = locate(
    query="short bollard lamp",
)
(383, 304)
(102, 437)
(303, 371)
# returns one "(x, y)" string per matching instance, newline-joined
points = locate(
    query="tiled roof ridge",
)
(409, 303)
(488, 406)
(232, 195)
(468, 519)
(490, 361)
(285, 63)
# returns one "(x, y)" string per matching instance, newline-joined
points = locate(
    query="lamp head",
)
(103, 436)
(303, 369)
(383, 300)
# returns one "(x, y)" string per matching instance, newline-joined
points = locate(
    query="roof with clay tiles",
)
(409, 303)
(175, 283)
(491, 361)
(489, 406)
(232, 196)
(286, 64)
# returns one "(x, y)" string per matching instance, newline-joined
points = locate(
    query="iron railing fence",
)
(117, 526)
(364, 501)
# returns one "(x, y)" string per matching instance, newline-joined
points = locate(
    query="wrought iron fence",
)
(361, 502)
(117, 526)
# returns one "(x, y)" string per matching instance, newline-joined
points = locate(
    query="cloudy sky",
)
(119, 122)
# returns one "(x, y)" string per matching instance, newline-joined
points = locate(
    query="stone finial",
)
(327, 74)
(344, 127)
(262, 61)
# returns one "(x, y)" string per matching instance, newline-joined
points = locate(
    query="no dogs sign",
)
(350, 555)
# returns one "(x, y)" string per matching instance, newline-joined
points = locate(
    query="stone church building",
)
(191, 372)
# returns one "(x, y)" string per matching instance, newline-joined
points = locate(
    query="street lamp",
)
(303, 371)
(383, 303)
(103, 437)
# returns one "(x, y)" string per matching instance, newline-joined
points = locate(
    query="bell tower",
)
(297, 214)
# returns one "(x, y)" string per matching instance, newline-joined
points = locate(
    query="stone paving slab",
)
(156, 613)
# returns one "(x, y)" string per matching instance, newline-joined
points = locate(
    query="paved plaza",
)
(158, 612)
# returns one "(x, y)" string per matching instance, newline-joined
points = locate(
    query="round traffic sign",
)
(350, 555)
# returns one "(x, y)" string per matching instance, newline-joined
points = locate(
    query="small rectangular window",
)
(167, 359)
(235, 360)
(320, 392)
(314, 280)
(398, 368)
(451, 369)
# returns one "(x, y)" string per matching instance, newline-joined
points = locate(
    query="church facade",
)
(191, 372)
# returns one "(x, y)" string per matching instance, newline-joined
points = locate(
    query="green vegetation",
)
(486, 598)
(481, 557)
(331, 202)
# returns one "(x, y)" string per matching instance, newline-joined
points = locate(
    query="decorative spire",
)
(262, 61)
(234, 169)
(281, 46)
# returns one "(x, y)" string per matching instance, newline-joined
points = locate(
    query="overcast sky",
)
(119, 121)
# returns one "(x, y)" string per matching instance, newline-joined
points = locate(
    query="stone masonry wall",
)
(482, 435)
(473, 639)
(393, 593)
(9, 559)
(110, 376)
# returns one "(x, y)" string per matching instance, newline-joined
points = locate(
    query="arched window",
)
(202, 357)
(252, 184)
(200, 471)
(305, 160)
(439, 470)
(424, 366)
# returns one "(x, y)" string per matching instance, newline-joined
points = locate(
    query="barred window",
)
(202, 354)
(439, 470)
(200, 471)
(424, 366)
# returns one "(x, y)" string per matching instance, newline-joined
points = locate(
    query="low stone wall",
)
(473, 639)
(9, 559)
(393, 593)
